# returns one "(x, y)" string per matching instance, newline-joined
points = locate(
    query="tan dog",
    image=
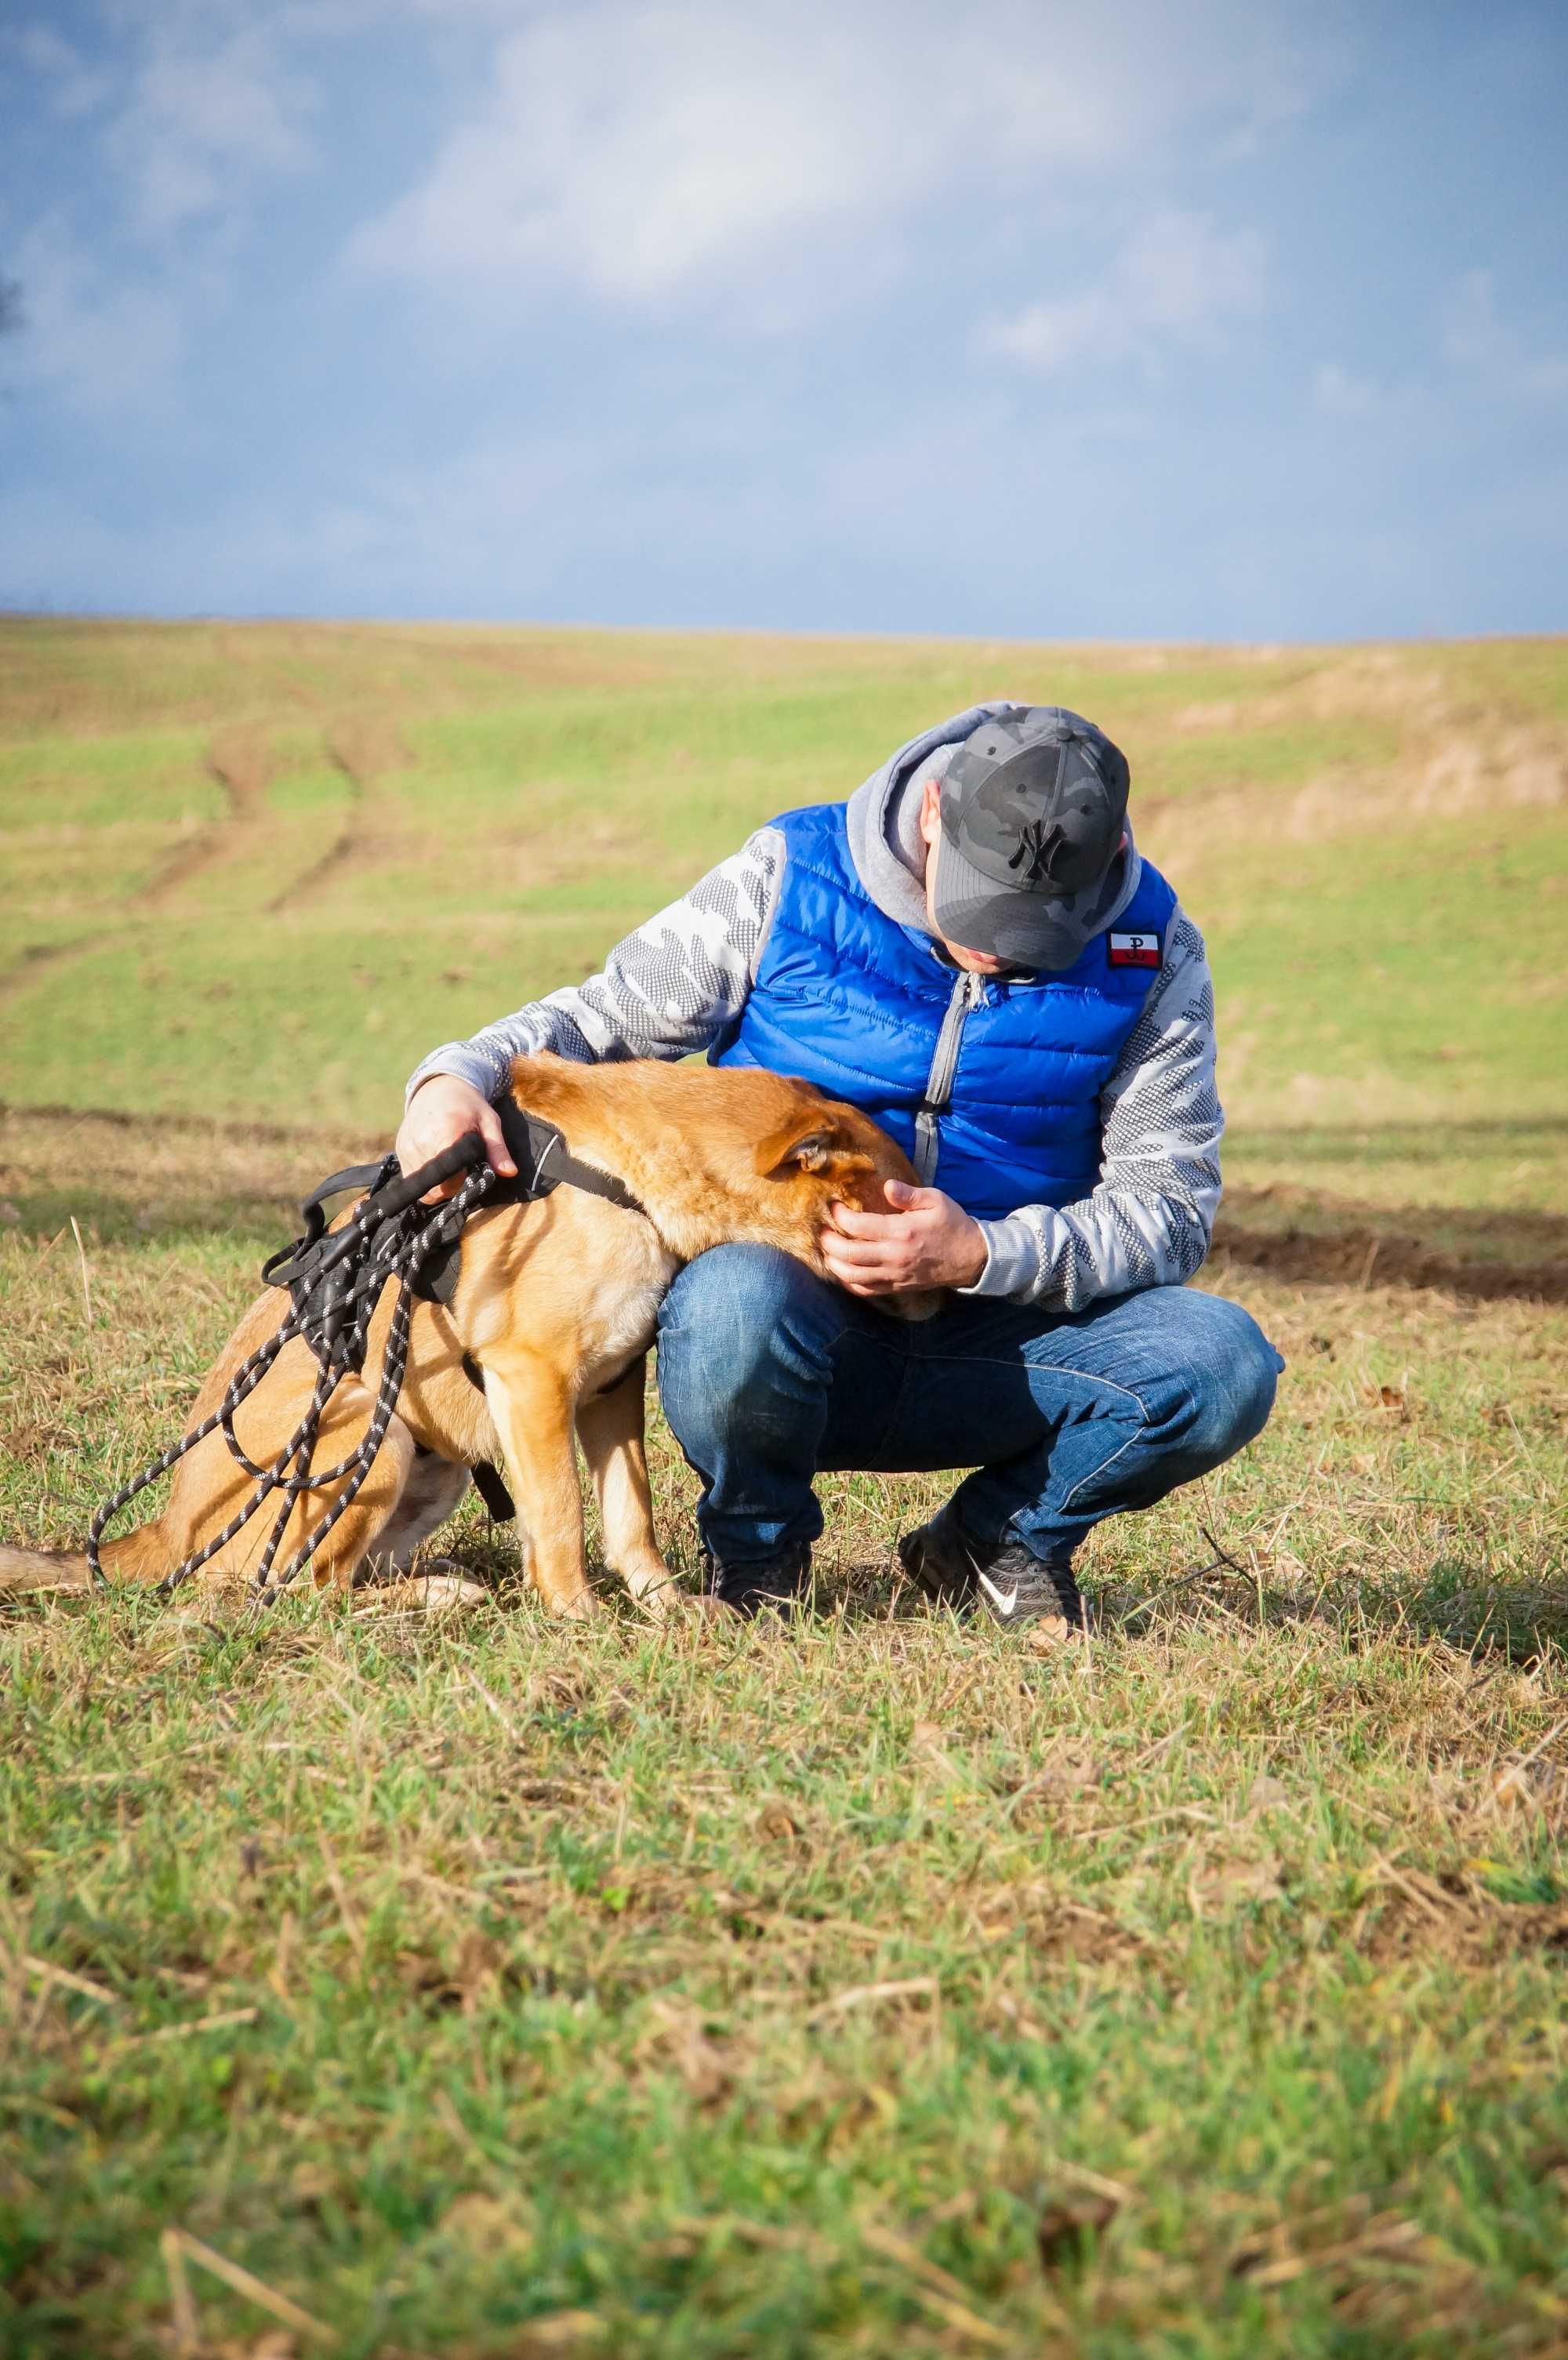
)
(556, 1304)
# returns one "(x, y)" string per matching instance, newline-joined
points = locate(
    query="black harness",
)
(335, 1278)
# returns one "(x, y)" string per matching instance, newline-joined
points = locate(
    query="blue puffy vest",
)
(850, 1000)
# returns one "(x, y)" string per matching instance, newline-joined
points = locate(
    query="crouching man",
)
(974, 951)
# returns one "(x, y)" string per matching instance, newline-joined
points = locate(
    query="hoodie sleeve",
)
(668, 989)
(1150, 1219)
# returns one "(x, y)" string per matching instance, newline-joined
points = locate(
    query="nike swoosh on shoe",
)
(1004, 1606)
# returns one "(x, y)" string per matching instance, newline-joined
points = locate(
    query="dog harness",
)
(335, 1278)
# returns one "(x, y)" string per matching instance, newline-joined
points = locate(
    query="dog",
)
(555, 1304)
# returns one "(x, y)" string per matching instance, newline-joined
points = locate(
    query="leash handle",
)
(389, 1195)
(398, 1193)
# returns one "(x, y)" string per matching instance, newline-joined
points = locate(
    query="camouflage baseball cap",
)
(1033, 813)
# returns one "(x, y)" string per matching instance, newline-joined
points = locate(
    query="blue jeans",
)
(767, 1375)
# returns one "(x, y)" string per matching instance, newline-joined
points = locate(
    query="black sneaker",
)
(1004, 1580)
(777, 1583)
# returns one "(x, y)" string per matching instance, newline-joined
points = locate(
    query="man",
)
(973, 951)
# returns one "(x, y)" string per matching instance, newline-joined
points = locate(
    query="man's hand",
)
(927, 1240)
(437, 1115)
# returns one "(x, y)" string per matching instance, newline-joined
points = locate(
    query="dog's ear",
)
(811, 1142)
(806, 1144)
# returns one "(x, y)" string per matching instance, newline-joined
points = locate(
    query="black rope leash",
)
(335, 1280)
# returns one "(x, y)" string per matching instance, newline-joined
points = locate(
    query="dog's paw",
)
(580, 1607)
(657, 1594)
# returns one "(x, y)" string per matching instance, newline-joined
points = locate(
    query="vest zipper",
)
(966, 995)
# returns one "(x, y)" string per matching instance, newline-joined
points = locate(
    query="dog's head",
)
(818, 1152)
(724, 1155)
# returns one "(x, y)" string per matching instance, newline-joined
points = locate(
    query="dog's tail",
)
(139, 1557)
(43, 1569)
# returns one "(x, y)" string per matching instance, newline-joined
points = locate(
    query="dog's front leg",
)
(531, 1406)
(610, 1426)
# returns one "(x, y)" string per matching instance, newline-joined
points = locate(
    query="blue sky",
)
(1229, 320)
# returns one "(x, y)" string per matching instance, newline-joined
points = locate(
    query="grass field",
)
(492, 1988)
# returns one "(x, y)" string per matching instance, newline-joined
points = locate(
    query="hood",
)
(884, 841)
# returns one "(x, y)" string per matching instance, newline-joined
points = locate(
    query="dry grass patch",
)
(882, 1985)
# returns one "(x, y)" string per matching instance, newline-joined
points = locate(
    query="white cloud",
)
(1474, 339)
(695, 143)
(1178, 279)
(191, 104)
(74, 87)
(651, 150)
(1341, 392)
(203, 119)
(99, 340)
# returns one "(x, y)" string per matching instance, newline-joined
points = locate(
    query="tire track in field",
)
(360, 746)
(241, 760)
(361, 749)
(35, 956)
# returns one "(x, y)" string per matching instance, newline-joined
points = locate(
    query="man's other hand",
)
(440, 1112)
(926, 1241)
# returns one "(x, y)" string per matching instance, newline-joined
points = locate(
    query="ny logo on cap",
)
(1039, 849)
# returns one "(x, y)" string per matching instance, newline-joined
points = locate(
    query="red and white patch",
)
(1134, 950)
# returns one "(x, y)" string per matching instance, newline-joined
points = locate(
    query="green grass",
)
(491, 1989)
(1287, 754)
(1388, 976)
(1382, 906)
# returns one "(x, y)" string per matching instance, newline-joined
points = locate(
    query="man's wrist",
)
(973, 1258)
(999, 1273)
(457, 1063)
